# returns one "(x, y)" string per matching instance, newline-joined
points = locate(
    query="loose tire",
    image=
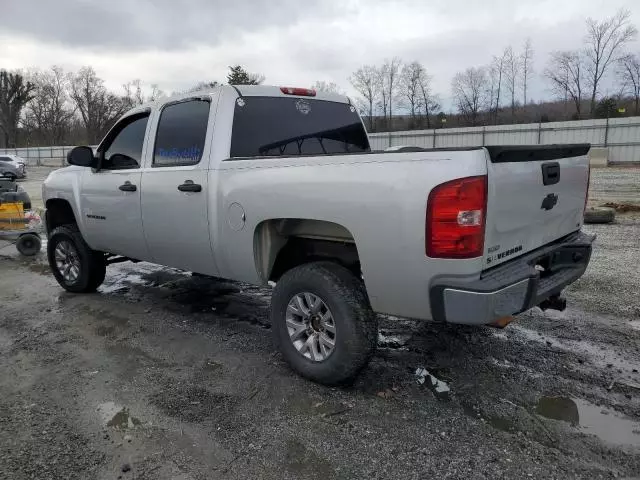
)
(343, 319)
(75, 266)
(599, 215)
(28, 244)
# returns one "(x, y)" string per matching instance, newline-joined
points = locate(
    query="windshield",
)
(276, 126)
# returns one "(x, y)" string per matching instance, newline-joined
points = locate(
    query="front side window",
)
(281, 126)
(182, 130)
(124, 149)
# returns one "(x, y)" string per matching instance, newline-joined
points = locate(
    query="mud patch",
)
(304, 462)
(40, 268)
(105, 330)
(193, 404)
(623, 207)
(100, 314)
(212, 366)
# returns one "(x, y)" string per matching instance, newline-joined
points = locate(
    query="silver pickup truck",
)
(279, 185)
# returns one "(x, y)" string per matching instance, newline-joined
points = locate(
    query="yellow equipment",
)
(12, 216)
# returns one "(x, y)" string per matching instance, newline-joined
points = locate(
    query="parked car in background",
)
(13, 166)
(265, 184)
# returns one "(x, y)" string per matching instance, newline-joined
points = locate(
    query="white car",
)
(13, 166)
(266, 184)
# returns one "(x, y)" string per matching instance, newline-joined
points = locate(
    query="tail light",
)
(302, 92)
(456, 218)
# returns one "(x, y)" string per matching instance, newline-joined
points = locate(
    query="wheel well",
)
(59, 212)
(282, 244)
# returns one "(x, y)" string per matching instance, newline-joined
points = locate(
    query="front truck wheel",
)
(322, 322)
(75, 266)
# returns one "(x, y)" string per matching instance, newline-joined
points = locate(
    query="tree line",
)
(54, 107)
(499, 93)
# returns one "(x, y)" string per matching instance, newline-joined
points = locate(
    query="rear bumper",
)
(515, 286)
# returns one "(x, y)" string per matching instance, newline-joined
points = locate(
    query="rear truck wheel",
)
(322, 322)
(599, 215)
(76, 267)
(28, 244)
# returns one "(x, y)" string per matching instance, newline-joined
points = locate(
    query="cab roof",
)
(244, 91)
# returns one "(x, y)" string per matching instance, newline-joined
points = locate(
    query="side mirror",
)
(82, 157)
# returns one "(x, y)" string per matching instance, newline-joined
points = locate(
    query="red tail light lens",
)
(456, 213)
(303, 92)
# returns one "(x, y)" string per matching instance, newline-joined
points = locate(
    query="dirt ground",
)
(163, 375)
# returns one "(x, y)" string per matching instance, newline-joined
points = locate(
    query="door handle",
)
(189, 186)
(128, 187)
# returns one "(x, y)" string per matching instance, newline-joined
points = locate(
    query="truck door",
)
(110, 196)
(175, 188)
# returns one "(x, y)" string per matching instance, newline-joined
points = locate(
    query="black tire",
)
(29, 244)
(92, 263)
(355, 323)
(599, 215)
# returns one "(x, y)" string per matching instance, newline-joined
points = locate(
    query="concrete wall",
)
(620, 137)
(46, 156)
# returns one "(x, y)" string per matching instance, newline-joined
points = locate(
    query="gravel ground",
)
(162, 375)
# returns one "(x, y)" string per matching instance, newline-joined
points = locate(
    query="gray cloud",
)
(179, 43)
(164, 24)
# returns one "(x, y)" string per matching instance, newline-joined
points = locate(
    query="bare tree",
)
(156, 93)
(391, 69)
(98, 107)
(526, 62)
(605, 40)
(15, 93)
(201, 86)
(430, 102)
(469, 90)
(383, 100)
(566, 73)
(630, 74)
(496, 74)
(409, 87)
(366, 81)
(133, 95)
(49, 113)
(329, 87)
(512, 74)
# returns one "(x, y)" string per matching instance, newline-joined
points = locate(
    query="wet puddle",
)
(117, 417)
(606, 424)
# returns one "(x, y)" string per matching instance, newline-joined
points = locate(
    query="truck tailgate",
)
(535, 195)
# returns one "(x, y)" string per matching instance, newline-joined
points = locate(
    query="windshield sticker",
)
(303, 107)
(240, 102)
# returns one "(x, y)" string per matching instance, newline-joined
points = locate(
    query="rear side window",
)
(277, 126)
(181, 133)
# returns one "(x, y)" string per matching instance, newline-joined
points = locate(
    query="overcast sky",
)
(177, 43)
